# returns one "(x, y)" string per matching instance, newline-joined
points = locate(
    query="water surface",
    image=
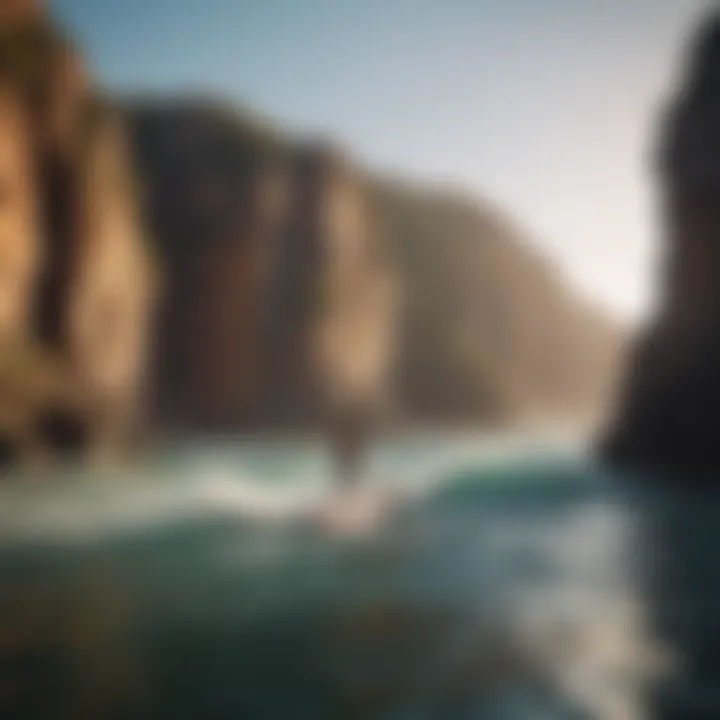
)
(517, 580)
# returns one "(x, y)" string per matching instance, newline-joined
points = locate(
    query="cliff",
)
(669, 411)
(299, 282)
(492, 332)
(76, 287)
(298, 289)
(273, 315)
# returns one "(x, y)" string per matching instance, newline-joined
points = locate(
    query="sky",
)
(547, 108)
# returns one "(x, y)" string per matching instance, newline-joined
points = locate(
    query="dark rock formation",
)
(214, 202)
(671, 403)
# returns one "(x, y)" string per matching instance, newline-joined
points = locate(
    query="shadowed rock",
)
(671, 403)
(268, 252)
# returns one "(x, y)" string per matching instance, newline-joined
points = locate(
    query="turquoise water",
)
(515, 580)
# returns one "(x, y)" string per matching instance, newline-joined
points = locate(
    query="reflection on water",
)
(531, 587)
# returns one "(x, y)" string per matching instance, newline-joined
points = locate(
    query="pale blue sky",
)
(545, 106)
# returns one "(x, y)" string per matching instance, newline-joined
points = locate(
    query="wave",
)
(267, 484)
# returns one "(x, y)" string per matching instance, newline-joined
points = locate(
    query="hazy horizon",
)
(547, 108)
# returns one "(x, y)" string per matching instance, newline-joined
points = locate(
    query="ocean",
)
(514, 579)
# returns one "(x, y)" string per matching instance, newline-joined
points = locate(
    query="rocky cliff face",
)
(18, 12)
(216, 203)
(669, 414)
(75, 286)
(19, 228)
(490, 333)
(331, 302)
(269, 262)
(296, 287)
(300, 287)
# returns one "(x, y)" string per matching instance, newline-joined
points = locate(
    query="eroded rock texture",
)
(332, 305)
(20, 247)
(270, 274)
(671, 404)
(74, 276)
(215, 206)
(302, 288)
